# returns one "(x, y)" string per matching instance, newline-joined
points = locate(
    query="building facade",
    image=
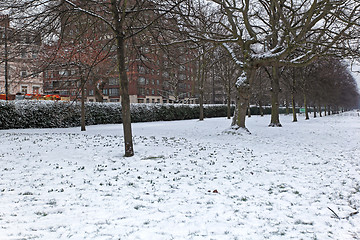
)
(20, 56)
(153, 76)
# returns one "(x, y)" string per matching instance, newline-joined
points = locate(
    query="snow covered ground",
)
(188, 180)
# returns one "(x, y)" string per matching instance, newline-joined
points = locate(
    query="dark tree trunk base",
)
(275, 125)
(238, 128)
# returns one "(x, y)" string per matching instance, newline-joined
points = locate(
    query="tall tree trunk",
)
(213, 86)
(261, 109)
(287, 111)
(228, 101)
(320, 113)
(201, 105)
(6, 52)
(201, 75)
(248, 110)
(234, 119)
(83, 128)
(241, 106)
(306, 108)
(275, 85)
(293, 107)
(243, 90)
(325, 111)
(314, 111)
(124, 83)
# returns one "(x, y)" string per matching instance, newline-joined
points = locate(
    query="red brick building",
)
(152, 79)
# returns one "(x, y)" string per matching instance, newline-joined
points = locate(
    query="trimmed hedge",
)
(254, 110)
(59, 114)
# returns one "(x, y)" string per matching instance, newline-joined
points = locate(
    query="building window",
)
(91, 92)
(27, 39)
(141, 80)
(36, 89)
(182, 77)
(114, 92)
(35, 74)
(56, 84)
(153, 100)
(23, 73)
(23, 53)
(34, 54)
(141, 91)
(165, 74)
(24, 89)
(113, 81)
(147, 100)
(152, 91)
(105, 91)
(63, 72)
(141, 69)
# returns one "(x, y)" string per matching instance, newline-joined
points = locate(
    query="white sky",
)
(357, 74)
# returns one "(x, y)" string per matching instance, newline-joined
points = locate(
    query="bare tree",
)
(227, 72)
(269, 32)
(124, 20)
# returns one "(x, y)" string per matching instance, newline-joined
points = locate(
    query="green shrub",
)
(58, 114)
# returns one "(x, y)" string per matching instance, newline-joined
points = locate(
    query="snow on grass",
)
(188, 180)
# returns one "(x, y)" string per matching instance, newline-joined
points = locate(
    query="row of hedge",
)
(59, 114)
(255, 110)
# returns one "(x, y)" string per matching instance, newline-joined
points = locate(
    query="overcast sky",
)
(357, 74)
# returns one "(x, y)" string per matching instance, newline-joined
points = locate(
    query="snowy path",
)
(277, 183)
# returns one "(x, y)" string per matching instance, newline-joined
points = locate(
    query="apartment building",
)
(154, 76)
(19, 51)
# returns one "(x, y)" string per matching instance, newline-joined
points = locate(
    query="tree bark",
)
(83, 128)
(314, 111)
(201, 87)
(201, 105)
(287, 105)
(275, 85)
(228, 106)
(242, 104)
(306, 108)
(248, 110)
(124, 83)
(293, 107)
(261, 109)
(244, 91)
